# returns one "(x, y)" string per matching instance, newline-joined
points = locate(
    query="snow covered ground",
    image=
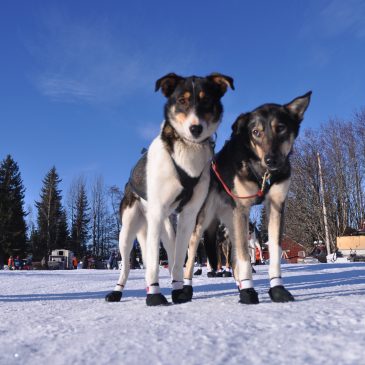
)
(61, 317)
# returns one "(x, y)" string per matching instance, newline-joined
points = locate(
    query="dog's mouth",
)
(274, 168)
(196, 140)
(273, 163)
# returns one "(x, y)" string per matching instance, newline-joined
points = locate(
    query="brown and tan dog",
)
(252, 167)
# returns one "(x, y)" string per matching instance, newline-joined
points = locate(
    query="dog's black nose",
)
(271, 161)
(196, 130)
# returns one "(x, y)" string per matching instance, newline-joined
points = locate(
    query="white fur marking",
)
(119, 288)
(153, 290)
(188, 282)
(246, 284)
(276, 282)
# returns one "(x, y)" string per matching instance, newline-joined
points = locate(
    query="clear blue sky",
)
(77, 77)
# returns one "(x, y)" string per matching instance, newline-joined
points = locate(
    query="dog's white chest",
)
(192, 157)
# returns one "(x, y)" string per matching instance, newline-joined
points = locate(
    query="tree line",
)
(87, 223)
(338, 147)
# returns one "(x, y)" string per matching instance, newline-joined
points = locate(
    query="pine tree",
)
(52, 223)
(62, 236)
(80, 221)
(263, 226)
(103, 224)
(12, 215)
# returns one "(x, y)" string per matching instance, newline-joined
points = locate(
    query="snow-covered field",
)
(61, 317)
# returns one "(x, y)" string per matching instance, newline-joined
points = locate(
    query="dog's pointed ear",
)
(299, 105)
(223, 81)
(240, 123)
(168, 83)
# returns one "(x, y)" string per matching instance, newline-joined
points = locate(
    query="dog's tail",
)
(129, 198)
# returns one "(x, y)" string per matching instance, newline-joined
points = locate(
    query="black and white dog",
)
(253, 166)
(172, 176)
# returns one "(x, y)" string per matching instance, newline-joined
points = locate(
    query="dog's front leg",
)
(155, 220)
(275, 209)
(184, 230)
(242, 268)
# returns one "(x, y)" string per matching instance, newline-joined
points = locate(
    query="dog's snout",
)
(271, 161)
(196, 130)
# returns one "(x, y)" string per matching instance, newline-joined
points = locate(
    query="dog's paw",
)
(227, 274)
(184, 295)
(154, 300)
(249, 296)
(198, 272)
(211, 274)
(188, 290)
(279, 294)
(114, 296)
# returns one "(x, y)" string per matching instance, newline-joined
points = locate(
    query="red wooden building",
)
(292, 250)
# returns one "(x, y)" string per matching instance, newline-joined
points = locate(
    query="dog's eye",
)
(256, 133)
(182, 101)
(206, 103)
(280, 129)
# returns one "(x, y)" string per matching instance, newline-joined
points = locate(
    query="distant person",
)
(29, 259)
(17, 263)
(259, 258)
(322, 256)
(253, 245)
(112, 262)
(11, 263)
(74, 262)
(84, 262)
(134, 262)
(362, 227)
(91, 262)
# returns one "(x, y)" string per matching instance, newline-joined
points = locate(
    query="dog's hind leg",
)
(132, 221)
(142, 237)
(275, 209)
(227, 255)
(210, 245)
(168, 240)
(193, 246)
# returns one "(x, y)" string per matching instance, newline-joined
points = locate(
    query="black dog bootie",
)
(184, 295)
(249, 296)
(279, 294)
(114, 296)
(154, 300)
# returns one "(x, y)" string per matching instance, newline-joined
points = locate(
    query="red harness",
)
(259, 194)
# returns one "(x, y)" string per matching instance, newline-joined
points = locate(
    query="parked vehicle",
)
(60, 260)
